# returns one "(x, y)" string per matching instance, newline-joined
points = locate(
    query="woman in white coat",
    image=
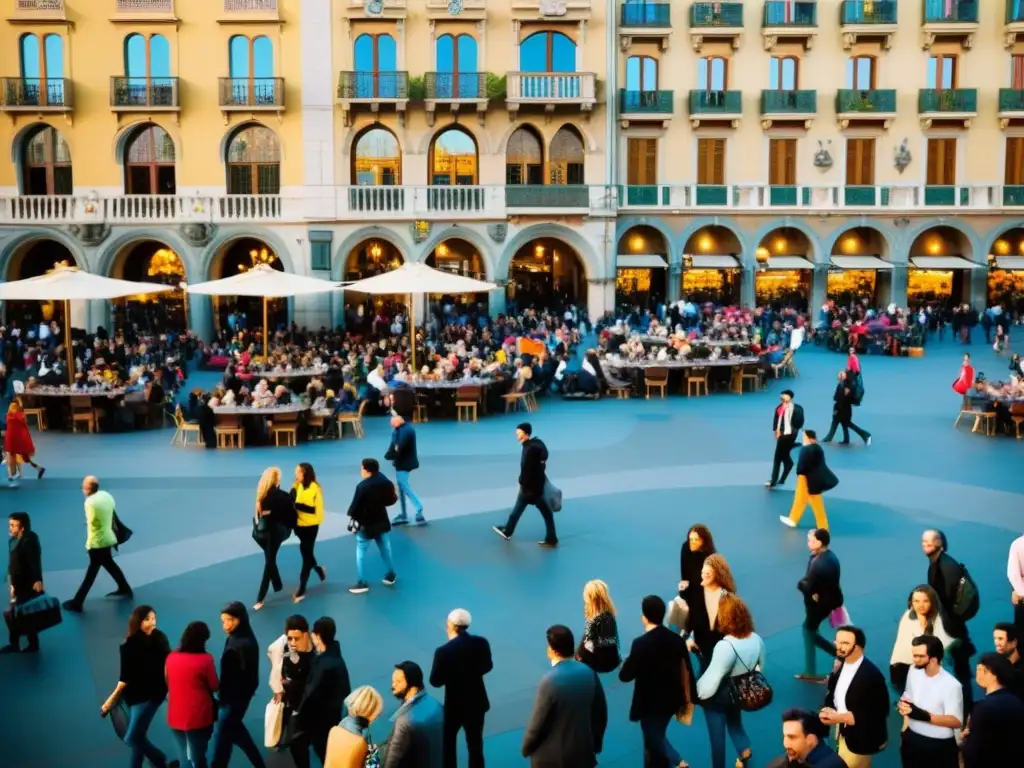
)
(922, 617)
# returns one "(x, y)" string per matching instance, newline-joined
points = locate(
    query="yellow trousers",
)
(800, 501)
(852, 760)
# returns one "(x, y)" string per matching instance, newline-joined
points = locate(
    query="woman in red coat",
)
(18, 444)
(965, 381)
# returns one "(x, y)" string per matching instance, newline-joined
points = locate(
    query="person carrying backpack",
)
(959, 597)
(845, 398)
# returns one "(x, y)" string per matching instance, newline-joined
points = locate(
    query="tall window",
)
(376, 61)
(643, 161)
(782, 73)
(1014, 161)
(782, 162)
(567, 156)
(252, 70)
(942, 72)
(524, 158)
(941, 162)
(42, 70)
(453, 158)
(711, 161)
(1017, 72)
(711, 73)
(641, 73)
(147, 69)
(860, 73)
(377, 159)
(254, 162)
(860, 162)
(547, 52)
(149, 166)
(46, 164)
(457, 75)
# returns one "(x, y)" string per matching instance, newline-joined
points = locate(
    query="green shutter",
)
(320, 249)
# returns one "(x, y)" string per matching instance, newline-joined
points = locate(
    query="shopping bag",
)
(120, 718)
(36, 615)
(121, 531)
(552, 496)
(840, 617)
(273, 720)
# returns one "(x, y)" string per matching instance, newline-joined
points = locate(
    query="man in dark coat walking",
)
(787, 421)
(822, 595)
(842, 411)
(368, 516)
(25, 571)
(813, 478)
(532, 479)
(323, 697)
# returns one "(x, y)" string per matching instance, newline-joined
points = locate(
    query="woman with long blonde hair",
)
(272, 523)
(716, 580)
(599, 648)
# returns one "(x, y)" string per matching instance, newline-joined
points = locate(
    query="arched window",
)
(524, 158)
(46, 163)
(453, 158)
(547, 52)
(376, 159)
(567, 157)
(42, 73)
(149, 162)
(254, 162)
(860, 73)
(641, 73)
(457, 68)
(251, 67)
(712, 74)
(783, 74)
(147, 69)
(376, 59)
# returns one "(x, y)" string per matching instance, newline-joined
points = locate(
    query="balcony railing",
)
(789, 102)
(646, 102)
(790, 13)
(950, 11)
(453, 86)
(551, 87)
(369, 86)
(144, 7)
(250, 6)
(35, 93)
(547, 196)
(868, 12)
(1011, 100)
(1014, 11)
(953, 101)
(866, 102)
(716, 102)
(39, 10)
(646, 15)
(141, 92)
(255, 93)
(703, 15)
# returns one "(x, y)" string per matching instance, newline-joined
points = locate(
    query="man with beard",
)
(1005, 638)
(418, 734)
(803, 737)
(933, 703)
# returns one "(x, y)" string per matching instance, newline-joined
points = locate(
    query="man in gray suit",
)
(570, 714)
(417, 739)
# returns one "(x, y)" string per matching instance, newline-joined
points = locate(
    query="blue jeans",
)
(383, 546)
(192, 747)
(545, 511)
(139, 718)
(658, 753)
(231, 732)
(719, 721)
(404, 489)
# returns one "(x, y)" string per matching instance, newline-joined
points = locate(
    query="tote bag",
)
(552, 496)
(273, 721)
(840, 617)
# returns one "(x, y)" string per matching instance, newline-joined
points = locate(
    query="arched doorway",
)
(1006, 271)
(453, 158)
(859, 271)
(254, 161)
(711, 267)
(459, 257)
(32, 259)
(235, 313)
(373, 256)
(641, 264)
(376, 159)
(149, 158)
(940, 268)
(45, 162)
(151, 261)
(546, 273)
(785, 269)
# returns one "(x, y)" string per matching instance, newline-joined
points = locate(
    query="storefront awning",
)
(788, 262)
(640, 261)
(1013, 263)
(713, 262)
(943, 262)
(860, 262)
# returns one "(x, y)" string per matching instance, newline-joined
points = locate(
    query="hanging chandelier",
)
(258, 256)
(165, 263)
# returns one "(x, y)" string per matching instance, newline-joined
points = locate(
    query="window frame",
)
(523, 166)
(153, 167)
(453, 178)
(549, 49)
(937, 60)
(712, 161)
(641, 60)
(709, 64)
(50, 163)
(858, 157)
(853, 70)
(255, 187)
(938, 147)
(777, 67)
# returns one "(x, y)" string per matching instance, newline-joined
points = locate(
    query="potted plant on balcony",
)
(864, 103)
(496, 87)
(417, 90)
(947, 101)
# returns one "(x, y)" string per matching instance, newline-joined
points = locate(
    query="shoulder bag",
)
(121, 531)
(372, 752)
(750, 691)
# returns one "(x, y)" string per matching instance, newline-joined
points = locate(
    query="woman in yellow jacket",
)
(309, 508)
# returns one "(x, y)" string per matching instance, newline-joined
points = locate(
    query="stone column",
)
(600, 297)
(748, 290)
(496, 299)
(675, 280)
(979, 288)
(200, 315)
(898, 285)
(819, 287)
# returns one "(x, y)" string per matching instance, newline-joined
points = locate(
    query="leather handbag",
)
(121, 531)
(750, 691)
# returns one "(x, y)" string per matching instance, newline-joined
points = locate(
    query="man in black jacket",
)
(842, 411)
(992, 737)
(239, 679)
(25, 571)
(402, 453)
(323, 698)
(532, 479)
(787, 421)
(857, 701)
(822, 595)
(660, 664)
(813, 478)
(459, 667)
(368, 515)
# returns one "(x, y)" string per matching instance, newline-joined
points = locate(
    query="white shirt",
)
(560, 372)
(843, 684)
(938, 695)
(1015, 566)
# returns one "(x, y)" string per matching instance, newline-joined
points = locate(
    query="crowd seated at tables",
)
(1004, 398)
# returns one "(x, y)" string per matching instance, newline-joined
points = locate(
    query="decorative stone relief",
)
(823, 158)
(497, 232)
(90, 234)
(420, 231)
(902, 157)
(198, 233)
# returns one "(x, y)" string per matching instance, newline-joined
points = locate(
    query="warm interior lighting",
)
(636, 244)
(779, 245)
(59, 265)
(762, 254)
(538, 251)
(442, 250)
(705, 243)
(257, 257)
(630, 281)
(850, 244)
(165, 262)
(773, 286)
(851, 283)
(935, 245)
(1002, 247)
(929, 283)
(703, 280)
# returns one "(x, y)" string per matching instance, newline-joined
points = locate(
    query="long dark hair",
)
(138, 615)
(193, 639)
(708, 543)
(308, 474)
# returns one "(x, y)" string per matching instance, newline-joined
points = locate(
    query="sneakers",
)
(785, 520)
(548, 544)
(359, 588)
(500, 530)
(400, 520)
(71, 605)
(420, 519)
(389, 579)
(867, 441)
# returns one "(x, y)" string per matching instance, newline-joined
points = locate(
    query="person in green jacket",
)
(100, 541)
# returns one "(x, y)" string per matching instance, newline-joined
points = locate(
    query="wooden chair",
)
(530, 401)
(516, 397)
(286, 424)
(32, 406)
(467, 399)
(655, 378)
(317, 423)
(745, 373)
(697, 380)
(984, 415)
(1017, 417)
(83, 412)
(229, 431)
(419, 412)
(622, 393)
(182, 429)
(354, 419)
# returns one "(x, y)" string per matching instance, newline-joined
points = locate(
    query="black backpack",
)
(857, 392)
(966, 597)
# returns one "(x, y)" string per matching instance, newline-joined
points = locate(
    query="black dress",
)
(599, 648)
(690, 565)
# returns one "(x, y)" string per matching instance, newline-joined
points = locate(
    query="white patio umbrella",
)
(66, 283)
(417, 279)
(265, 282)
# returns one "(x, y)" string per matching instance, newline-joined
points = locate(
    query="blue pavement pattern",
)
(635, 474)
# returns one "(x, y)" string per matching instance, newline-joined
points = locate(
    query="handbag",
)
(840, 617)
(750, 691)
(372, 752)
(552, 496)
(36, 615)
(122, 533)
(273, 720)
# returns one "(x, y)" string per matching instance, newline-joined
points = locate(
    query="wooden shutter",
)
(643, 161)
(782, 162)
(1017, 77)
(711, 161)
(941, 162)
(1014, 161)
(860, 162)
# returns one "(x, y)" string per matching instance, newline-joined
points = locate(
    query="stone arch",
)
(234, 130)
(911, 234)
(786, 223)
(482, 140)
(12, 246)
(341, 253)
(623, 225)
(996, 234)
(885, 233)
(513, 127)
(111, 252)
(696, 225)
(592, 265)
(359, 127)
(455, 232)
(225, 238)
(123, 136)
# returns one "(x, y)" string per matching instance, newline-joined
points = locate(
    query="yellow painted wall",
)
(93, 53)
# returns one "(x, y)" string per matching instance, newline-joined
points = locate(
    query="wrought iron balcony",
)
(1014, 12)
(32, 94)
(455, 86)
(868, 102)
(1011, 100)
(373, 86)
(711, 103)
(133, 93)
(790, 13)
(646, 102)
(140, 10)
(259, 93)
(646, 15)
(789, 102)
(951, 11)
(953, 101)
(868, 12)
(703, 15)
(547, 196)
(39, 10)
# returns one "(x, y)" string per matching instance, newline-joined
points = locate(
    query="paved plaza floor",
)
(635, 474)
